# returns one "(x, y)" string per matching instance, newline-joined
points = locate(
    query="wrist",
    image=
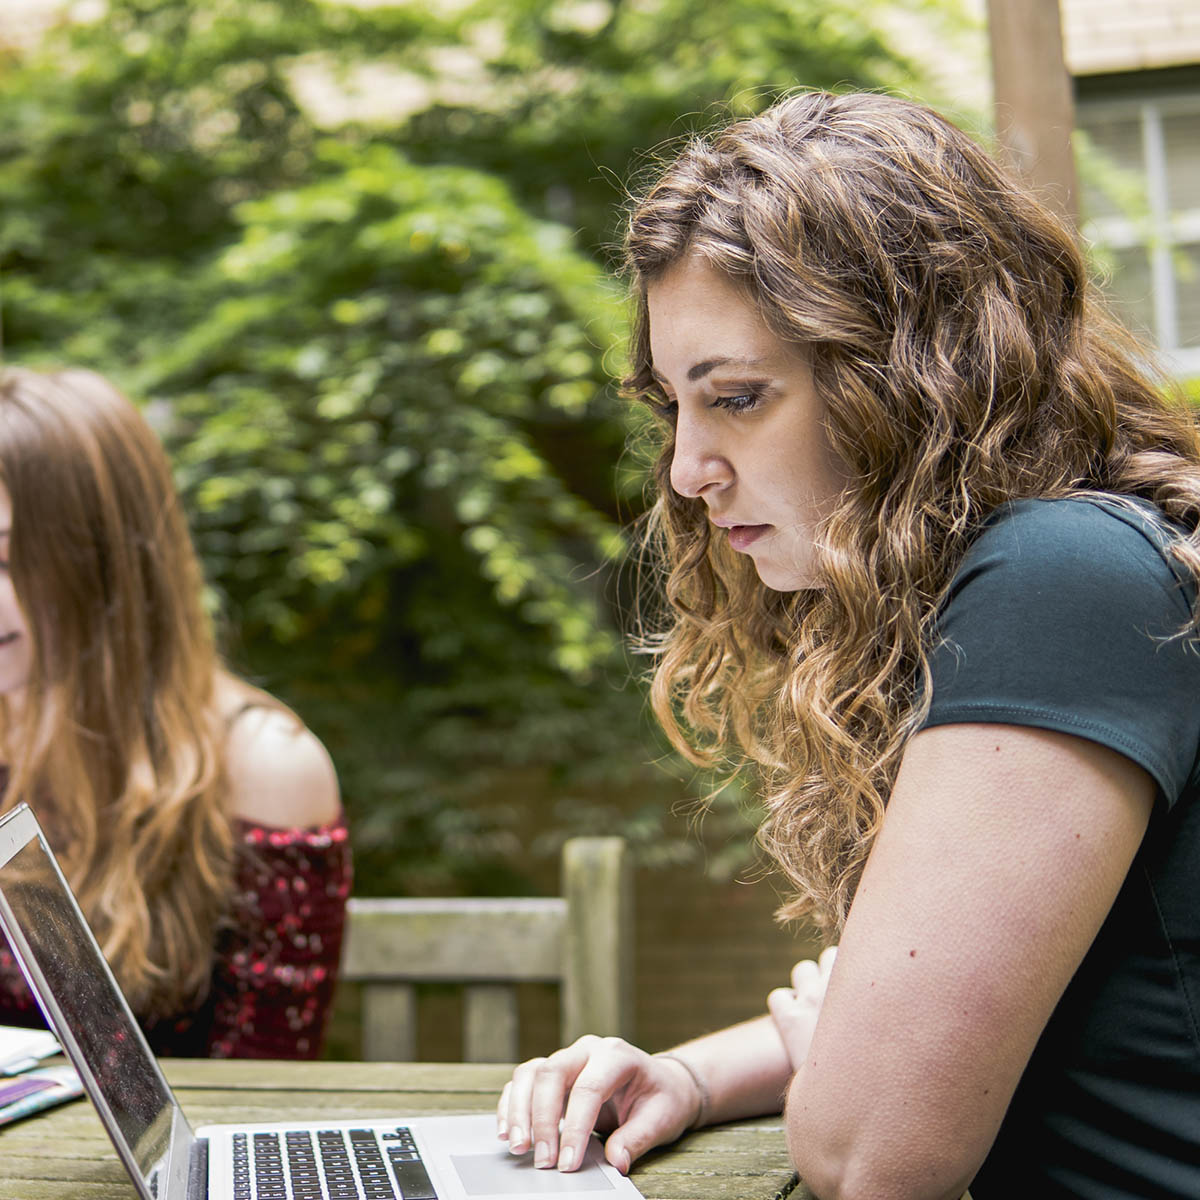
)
(703, 1095)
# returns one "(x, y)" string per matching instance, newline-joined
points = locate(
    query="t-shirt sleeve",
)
(1065, 615)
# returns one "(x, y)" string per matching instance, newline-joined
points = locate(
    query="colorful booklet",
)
(25, 1087)
(22, 1095)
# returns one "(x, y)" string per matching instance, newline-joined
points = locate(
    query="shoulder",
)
(279, 774)
(1093, 552)
(1116, 525)
(1070, 615)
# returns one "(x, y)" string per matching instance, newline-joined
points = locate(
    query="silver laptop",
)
(424, 1158)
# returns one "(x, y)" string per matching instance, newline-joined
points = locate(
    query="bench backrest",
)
(581, 940)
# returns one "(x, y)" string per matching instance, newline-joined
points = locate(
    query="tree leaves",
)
(381, 357)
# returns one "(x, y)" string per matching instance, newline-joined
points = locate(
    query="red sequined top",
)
(276, 958)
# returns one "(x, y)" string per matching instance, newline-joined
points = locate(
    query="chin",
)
(787, 563)
(787, 581)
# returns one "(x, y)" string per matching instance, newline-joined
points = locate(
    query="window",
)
(1153, 239)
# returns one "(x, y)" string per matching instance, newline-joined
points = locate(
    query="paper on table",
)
(36, 1090)
(21, 1048)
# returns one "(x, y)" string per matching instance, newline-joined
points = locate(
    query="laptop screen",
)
(82, 1003)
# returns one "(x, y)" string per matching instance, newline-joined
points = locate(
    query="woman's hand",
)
(795, 1009)
(640, 1100)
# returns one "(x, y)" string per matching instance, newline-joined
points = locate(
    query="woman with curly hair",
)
(931, 539)
(196, 818)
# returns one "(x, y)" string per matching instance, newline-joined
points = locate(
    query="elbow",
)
(870, 1181)
(873, 1167)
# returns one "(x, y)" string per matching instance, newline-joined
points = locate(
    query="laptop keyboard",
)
(329, 1164)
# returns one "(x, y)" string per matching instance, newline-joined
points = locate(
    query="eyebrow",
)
(700, 369)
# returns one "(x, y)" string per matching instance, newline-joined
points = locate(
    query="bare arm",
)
(1002, 852)
(744, 1070)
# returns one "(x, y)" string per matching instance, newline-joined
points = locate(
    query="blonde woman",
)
(197, 819)
(930, 549)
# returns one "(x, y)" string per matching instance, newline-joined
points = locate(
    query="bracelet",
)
(791, 1185)
(701, 1087)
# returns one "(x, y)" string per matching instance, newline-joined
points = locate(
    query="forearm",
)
(744, 1070)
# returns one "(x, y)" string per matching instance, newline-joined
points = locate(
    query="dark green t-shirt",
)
(1063, 616)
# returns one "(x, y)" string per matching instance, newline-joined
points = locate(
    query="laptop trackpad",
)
(501, 1174)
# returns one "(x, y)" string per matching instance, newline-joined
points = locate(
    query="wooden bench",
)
(581, 940)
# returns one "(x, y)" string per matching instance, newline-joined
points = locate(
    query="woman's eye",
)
(742, 402)
(663, 407)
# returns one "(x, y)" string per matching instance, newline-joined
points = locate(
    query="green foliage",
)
(125, 147)
(382, 367)
(371, 393)
(566, 97)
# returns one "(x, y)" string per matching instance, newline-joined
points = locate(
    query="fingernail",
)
(516, 1135)
(502, 1129)
(623, 1162)
(542, 1156)
(566, 1159)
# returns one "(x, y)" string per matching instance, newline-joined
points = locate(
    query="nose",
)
(697, 465)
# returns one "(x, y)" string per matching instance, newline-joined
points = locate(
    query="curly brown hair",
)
(965, 361)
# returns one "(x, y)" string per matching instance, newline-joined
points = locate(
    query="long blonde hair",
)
(964, 362)
(116, 742)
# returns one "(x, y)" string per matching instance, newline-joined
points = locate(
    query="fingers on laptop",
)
(573, 1086)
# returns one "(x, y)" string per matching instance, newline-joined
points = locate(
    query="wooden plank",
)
(234, 1075)
(209, 1106)
(50, 1189)
(762, 1186)
(389, 1021)
(598, 985)
(78, 1170)
(490, 1023)
(455, 939)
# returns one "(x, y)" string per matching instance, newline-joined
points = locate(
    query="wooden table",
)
(64, 1154)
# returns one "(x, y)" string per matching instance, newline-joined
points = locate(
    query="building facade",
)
(1136, 71)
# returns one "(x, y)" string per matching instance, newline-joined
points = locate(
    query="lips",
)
(741, 537)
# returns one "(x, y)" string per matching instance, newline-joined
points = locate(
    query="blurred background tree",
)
(566, 97)
(353, 259)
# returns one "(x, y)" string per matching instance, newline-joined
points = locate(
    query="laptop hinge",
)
(197, 1187)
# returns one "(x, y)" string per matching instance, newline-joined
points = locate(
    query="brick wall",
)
(707, 953)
